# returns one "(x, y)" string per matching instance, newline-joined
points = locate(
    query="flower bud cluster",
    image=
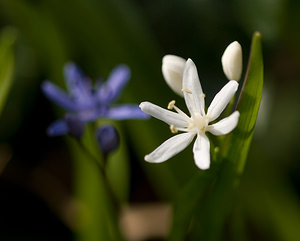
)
(173, 67)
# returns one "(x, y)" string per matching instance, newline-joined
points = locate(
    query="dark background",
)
(98, 35)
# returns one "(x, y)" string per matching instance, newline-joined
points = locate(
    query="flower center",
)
(199, 122)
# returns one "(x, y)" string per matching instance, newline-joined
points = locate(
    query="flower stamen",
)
(171, 104)
(186, 90)
(173, 129)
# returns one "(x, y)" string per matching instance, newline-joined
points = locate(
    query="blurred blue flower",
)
(108, 138)
(85, 103)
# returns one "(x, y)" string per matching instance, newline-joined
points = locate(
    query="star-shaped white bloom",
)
(197, 123)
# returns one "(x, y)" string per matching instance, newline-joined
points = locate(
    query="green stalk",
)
(98, 220)
(235, 150)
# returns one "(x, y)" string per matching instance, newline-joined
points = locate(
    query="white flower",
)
(172, 69)
(232, 61)
(197, 123)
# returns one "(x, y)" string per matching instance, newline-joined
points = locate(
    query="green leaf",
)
(7, 60)
(186, 203)
(97, 219)
(203, 204)
(234, 150)
(248, 106)
(118, 170)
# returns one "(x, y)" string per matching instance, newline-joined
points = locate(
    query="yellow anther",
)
(186, 90)
(203, 95)
(171, 104)
(173, 129)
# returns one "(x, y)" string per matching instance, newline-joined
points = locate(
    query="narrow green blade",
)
(235, 149)
(98, 217)
(248, 106)
(203, 205)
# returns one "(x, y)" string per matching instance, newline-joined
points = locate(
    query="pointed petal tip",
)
(222, 99)
(204, 167)
(45, 84)
(170, 148)
(189, 65)
(146, 158)
(120, 75)
(235, 44)
(201, 150)
(225, 125)
(234, 83)
(143, 104)
(189, 61)
(123, 67)
(69, 66)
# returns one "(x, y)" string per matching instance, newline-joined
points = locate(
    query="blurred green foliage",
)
(99, 34)
(7, 40)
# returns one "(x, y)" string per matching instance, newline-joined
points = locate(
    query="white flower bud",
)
(172, 69)
(232, 61)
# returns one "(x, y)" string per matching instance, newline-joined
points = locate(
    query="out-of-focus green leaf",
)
(272, 205)
(98, 217)
(118, 171)
(39, 30)
(7, 40)
(253, 14)
(191, 196)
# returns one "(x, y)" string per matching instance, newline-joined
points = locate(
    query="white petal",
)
(222, 99)
(193, 93)
(225, 125)
(201, 151)
(172, 69)
(232, 61)
(169, 117)
(170, 147)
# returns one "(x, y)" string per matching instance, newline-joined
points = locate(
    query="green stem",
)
(101, 168)
(113, 206)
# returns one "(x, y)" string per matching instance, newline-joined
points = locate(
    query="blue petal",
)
(93, 114)
(58, 128)
(79, 86)
(58, 96)
(112, 89)
(108, 138)
(75, 126)
(126, 112)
